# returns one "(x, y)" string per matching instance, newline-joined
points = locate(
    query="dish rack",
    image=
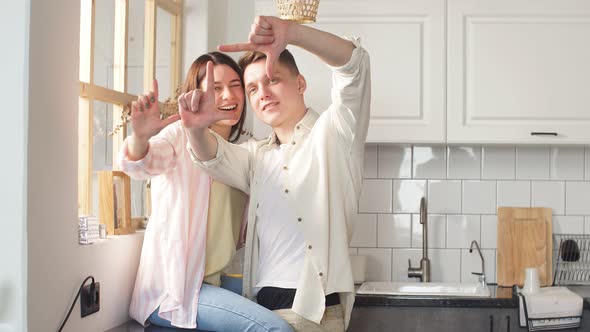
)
(571, 259)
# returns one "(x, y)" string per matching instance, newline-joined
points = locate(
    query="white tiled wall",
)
(464, 185)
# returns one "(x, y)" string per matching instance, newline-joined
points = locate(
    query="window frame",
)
(118, 96)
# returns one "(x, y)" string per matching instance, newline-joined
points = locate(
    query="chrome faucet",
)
(482, 275)
(423, 272)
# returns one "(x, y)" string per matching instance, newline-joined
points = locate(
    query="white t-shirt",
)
(282, 244)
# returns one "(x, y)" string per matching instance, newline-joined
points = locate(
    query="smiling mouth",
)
(228, 107)
(269, 105)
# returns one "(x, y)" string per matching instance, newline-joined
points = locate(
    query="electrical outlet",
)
(90, 299)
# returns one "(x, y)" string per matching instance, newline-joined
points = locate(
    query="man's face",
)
(275, 100)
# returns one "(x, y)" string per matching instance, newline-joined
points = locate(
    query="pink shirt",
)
(172, 264)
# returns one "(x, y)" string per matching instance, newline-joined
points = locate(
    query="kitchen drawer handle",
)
(507, 323)
(543, 133)
(491, 323)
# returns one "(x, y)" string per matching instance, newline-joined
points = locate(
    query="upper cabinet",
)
(405, 40)
(464, 71)
(518, 71)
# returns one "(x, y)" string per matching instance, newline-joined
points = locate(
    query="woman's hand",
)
(145, 115)
(197, 108)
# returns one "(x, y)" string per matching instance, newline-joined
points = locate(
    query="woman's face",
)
(229, 95)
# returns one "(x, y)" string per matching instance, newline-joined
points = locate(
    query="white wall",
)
(229, 22)
(56, 263)
(14, 20)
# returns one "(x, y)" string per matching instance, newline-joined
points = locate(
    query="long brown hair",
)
(197, 72)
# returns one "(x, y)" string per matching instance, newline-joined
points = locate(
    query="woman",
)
(195, 222)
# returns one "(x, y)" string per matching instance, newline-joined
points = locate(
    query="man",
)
(304, 180)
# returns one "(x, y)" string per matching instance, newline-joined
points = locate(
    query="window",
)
(124, 44)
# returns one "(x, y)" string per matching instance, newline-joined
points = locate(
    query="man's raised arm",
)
(270, 35)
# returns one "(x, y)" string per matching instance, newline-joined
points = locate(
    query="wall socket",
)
(90, 299)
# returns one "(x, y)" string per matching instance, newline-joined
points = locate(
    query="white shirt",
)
(322, 186)
(282, 243)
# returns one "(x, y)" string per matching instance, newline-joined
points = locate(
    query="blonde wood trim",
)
(121, 34)
(171, 6)
(126, 220)
(85, 108)
(87, 11)
(106, 201)
(124, 231)
(120, 69)
(84, 156)
(149, 45)
(105, 95)
(176, 52)
(108, 210)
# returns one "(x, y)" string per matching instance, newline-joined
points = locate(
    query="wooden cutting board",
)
(525, 239)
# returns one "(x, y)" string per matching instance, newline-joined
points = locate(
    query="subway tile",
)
(437, 230)
(498, 163)
(400, 263)
(376, 196)
(370, 162)
(444, 196)
(489, 231)
(587, 225)
(378, 263)
(407, 195)
(549, 194)
(364, 232)
(429, 162)
(532, 163)
(471, 262)
(479, 197)
(445, 265)
(462, 229)
(568, 225)
(514, 194)
(394, 230)
(587, 163)
(395, 161)
(577, 198)
(567, 163)
(464, 162)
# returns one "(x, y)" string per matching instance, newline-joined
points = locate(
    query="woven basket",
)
(300, 11)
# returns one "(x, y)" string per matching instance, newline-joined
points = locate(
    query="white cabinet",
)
(518, 67)
(464, 71)
(405, 40)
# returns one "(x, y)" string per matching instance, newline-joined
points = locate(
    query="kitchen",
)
(458, 89)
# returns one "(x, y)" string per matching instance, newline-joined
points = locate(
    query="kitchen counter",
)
(496, 313)
(502, 297)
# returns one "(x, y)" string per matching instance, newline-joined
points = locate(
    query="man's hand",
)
(145, 115)
(197, 108)
(269, 35)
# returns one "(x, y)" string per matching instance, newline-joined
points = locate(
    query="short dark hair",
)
(286, 59)
(197, 72)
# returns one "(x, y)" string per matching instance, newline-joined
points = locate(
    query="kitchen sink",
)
(425, 289)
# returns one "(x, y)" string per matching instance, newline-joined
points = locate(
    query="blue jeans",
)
(221, 310)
